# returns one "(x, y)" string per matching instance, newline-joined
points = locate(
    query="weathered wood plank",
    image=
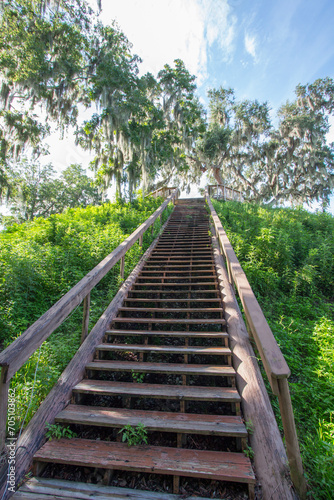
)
(186, 369)
(167, 301)
(171, 309)
(217, 465)
(217, 321)
(85, 322)
(271, 355)
(64, 490)
(270, 457)
(158, 391)
(178, 284)
(167, 333)
(154, 420)
(4, 388)
(19, 351)
(165, 349)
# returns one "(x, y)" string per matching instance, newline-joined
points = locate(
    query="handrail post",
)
(122, 267)
(85, 321)
(291, 440)
(4, 388)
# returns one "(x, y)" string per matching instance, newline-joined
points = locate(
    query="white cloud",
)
(220, 26)
(250, 46)
(164, 30)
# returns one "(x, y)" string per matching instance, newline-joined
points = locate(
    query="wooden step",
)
(190, 272)
(174, 292)
(177, 266)
(160, 421)
(181, 321)
(167, 301)
(223, 466)
(166, 349)
(178, 284)
(171, 310)
(190, 279)
(54, 489)
(167, 333)
(157, 391)
(179, 260)
(176, 368)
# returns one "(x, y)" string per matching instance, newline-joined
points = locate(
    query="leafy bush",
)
(134, 435)
(288, 256)
(43, 259)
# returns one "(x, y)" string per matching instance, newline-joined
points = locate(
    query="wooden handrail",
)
(271, 355)
(163, 189)
(19, 351)
(272, 358)
(235, 193)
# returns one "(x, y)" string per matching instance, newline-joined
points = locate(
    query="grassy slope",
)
(288, 256)
(40, 261)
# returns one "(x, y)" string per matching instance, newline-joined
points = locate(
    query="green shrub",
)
(43, 259)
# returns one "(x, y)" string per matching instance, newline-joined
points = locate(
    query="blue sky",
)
(260, 48)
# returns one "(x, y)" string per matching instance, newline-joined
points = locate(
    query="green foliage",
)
(249, 427)
(57, 431)
(291, 162)
(288, 257)
(36, 192)
(43, 259)
(249, 452)
(134, 435)
(138, 377)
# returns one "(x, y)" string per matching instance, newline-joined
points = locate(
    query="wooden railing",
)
(19, 351)
(163, 191)
(272, 358)
(221, 192)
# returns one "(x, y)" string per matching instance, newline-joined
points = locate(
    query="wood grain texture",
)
(163, 349)
(271, 355)
(222, 466)
(270, 456)
(160, 421)
(176, 368)
(157, 391)
(167, 333)
(50, 489)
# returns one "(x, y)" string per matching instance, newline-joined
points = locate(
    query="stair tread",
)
(158, 391)
(178, 284)
(223, 351)
(52, 489)
(159, 460)
(167, 333)
(170, 309)
(154, 420)
(173, 300)
(201, 321)
(179, 368)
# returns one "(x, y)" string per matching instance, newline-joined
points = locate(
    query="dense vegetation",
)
(43, 259)
(288, 256)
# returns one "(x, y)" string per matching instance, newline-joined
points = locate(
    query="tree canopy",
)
(290, 162)
(38, 192)
(57, 59)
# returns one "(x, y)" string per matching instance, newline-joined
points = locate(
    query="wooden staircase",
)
(165, 363)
